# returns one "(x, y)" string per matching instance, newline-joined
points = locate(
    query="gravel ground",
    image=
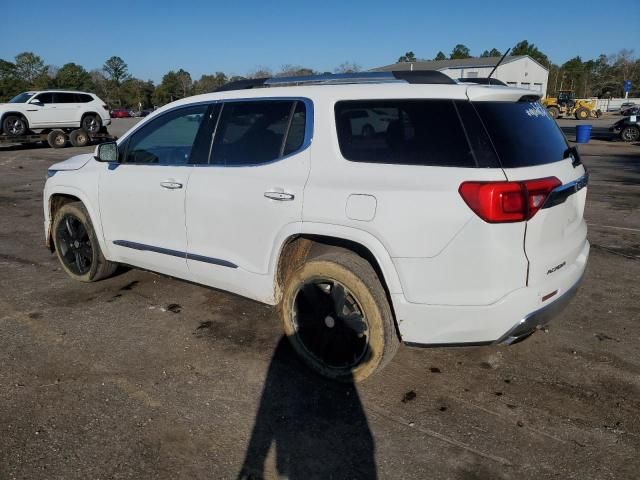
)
(147, 377)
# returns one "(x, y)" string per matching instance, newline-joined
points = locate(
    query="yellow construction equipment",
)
(565, 104)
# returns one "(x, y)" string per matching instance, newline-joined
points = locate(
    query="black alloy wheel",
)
(330, 323)
(74, 242)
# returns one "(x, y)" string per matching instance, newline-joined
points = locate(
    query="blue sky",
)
(236, 37)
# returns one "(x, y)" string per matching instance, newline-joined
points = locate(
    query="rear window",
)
(522, 133)
(405, 132)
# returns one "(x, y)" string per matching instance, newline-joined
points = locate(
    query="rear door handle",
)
(280, 196)
(171, 185)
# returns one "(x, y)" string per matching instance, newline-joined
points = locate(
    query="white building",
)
(516, 71)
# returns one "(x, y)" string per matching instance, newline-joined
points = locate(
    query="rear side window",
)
(405, 132)
(258, 132)
(83, 98)
(60, 97)
(522, 133)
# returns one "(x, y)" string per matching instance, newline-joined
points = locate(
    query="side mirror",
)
(107, 152)
(35, 101)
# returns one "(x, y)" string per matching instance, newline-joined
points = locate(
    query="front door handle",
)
(280, 196)
(171, 185)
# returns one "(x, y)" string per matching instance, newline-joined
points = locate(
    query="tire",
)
(347, 346)
(77, 246)
(582, 113)
(14, 125)
(368, 131)
(630, 133)
(91, 123)
(79, 138)
(554, 112)
(57, 139)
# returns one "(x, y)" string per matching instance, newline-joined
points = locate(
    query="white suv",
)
(461, 223)
(42, 110)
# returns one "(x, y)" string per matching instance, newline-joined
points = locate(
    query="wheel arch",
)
(63, 195)
(90, 112)
(295, 248)
(21, 114)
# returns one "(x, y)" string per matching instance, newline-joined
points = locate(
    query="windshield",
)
(22, 98)
(522, 133)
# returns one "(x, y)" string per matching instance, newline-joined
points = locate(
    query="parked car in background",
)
(628, 128)
(48, 109)
(634, 110)
(120, 113)
(625, 106)
(457, 219)
(146, 112)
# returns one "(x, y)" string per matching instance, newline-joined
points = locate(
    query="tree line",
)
(600, 77)
(116, 86)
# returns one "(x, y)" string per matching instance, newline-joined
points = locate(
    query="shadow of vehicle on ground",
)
(316, 427)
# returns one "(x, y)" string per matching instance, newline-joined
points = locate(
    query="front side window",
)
(168, 139)
(258, 132)
(45, 98)
(405, 132)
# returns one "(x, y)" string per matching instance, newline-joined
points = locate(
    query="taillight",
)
(500, 202)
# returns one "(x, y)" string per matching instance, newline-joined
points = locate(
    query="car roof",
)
(371, 91)
(60, 90)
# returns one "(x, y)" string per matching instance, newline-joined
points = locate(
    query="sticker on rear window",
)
(536, 110)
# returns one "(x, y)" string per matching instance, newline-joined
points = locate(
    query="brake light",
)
(501, 202)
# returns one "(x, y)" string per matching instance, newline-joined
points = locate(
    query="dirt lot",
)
(142, 376)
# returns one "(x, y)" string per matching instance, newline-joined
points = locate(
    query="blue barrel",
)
(583, 133)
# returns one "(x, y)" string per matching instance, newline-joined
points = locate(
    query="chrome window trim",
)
(306, 142)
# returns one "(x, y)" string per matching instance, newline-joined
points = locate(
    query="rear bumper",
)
(539, 318)
(506, 321)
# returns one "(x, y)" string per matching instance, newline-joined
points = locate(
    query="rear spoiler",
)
(497, 93)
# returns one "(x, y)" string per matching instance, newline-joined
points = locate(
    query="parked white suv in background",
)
(460, 223)
(47, 109)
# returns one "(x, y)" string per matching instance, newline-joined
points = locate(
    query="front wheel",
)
(14, 125)
(630, 134)
(77, 246)
(91, 124)
(337, 317)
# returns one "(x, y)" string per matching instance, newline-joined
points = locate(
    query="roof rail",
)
(415, 77)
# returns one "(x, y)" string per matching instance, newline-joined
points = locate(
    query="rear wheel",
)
(79, 138)
(14, 125)
(630, 133)
(582, 113)
(56, 139)
(77, 246)
(554, 112)
(91, 123)
(336, 315)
